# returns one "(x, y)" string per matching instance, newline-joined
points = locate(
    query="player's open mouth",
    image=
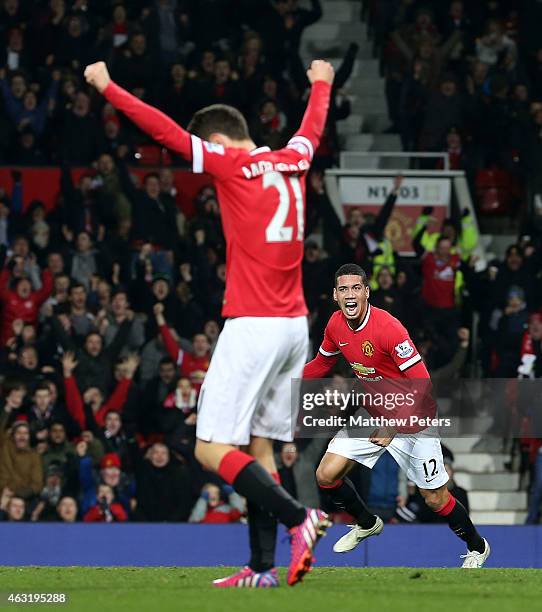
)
(351, 307)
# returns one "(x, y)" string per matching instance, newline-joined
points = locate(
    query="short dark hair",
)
(219, 118)
(351, 269)
(77, 285)
(166, 361)
(42, 386)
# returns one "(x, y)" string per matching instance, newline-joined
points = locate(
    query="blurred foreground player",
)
(380, 351)
(245, 399)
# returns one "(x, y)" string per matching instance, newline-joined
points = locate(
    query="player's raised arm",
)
(307, 137)
(149, 119)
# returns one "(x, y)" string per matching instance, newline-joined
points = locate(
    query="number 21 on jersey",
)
(277, 231)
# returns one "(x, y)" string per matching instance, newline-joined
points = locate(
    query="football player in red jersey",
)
(379, 350)
(245, 398)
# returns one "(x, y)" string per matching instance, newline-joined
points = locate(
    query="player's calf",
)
(446, 505)
(331, 478)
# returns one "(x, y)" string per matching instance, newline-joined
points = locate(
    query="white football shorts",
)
(419, 455)
(247, 389)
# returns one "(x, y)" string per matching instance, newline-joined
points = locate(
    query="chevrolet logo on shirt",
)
(359, 368)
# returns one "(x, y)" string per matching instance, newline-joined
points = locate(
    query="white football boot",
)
(356, 535)
(474, 559)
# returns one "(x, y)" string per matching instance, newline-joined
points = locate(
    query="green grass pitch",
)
(326, 589)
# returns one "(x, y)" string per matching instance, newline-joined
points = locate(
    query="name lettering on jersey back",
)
(263, 167)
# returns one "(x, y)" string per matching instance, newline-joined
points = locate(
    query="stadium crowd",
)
(466, 78)
(111, 301)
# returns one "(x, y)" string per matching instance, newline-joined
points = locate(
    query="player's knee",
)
(325, 477)
(435, 499)
(201, 453)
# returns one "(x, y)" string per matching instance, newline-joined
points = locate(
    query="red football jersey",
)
(261, 194)
(438, 287)
(378, 350)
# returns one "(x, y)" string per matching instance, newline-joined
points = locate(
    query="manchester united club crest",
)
(367, 348)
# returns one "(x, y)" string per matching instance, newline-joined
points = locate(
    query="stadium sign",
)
(369, 194)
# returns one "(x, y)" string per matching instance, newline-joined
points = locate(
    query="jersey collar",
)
(365, 319)
(260, 150)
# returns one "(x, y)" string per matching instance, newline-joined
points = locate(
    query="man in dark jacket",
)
(95, 363)
(154, 217)
(163, 488)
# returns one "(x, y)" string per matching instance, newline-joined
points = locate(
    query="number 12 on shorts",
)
(430, 469)
(276, 231)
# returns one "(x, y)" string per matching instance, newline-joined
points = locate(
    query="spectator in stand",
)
(81, 134)
(20, 302)
(316, 274)
(177, 97)
(20, 465)
(59, 450)
(439, 276)
(106, 510)
(225, 87)
(177, 418)
(136, 66)
(364, 241)
(217, 505)
(508, 326)
(115, 439)
(42, 413)
(82, 208)
(96, 362)
(154, 218)
(163, 487)
(109, 187)
(515, 271)
(110, 474)
(281, 24)
(193, 365)
(90, 409)
(67, 510)
(27, 113)
(288, 456)
(73, 45)
(494, 43)
(120, 310)
(297, 467)
(78, 320)
(86, 261)
(388, 296)
(270, 128)
(16, 56)
(45, 509)
(445, 109)
(12, 508)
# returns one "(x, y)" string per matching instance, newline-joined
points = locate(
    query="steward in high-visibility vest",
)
(464, 235)
(463, 241)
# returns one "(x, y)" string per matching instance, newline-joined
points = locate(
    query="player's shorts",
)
(247, 389)
(419, 455)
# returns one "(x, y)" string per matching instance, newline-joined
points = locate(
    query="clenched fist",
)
(320, 70)
(97, 75)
